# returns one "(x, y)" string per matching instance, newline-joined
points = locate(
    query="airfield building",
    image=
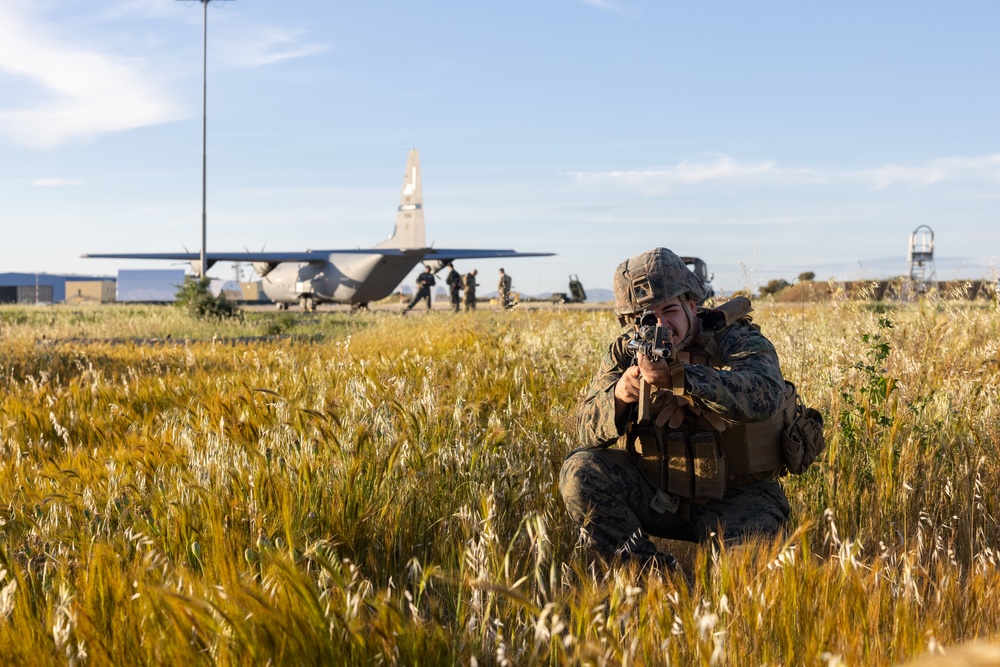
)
(90, 291)
(149, 285)
(39, 287)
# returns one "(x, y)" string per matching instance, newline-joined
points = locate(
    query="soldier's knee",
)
(586, 471)
(569, 472)
(759, 509)
(580, 460)
(577, 473)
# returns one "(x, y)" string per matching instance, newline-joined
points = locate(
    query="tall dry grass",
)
(383, 490)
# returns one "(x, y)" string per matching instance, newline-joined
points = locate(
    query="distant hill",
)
(599, 295)
(593, 295)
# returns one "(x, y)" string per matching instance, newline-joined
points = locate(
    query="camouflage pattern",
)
(651, 278)
(604, 489)
(610, 499)
(747, 386)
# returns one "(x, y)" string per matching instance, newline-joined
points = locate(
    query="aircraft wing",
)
(443, 254)
(447, 254)
(245, 256)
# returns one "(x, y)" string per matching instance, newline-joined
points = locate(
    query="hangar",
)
(39, 287)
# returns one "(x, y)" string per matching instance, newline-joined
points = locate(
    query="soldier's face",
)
(676, 315)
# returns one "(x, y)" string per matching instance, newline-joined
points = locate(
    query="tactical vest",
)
(697, 463)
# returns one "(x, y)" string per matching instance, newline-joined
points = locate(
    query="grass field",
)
(371, 489)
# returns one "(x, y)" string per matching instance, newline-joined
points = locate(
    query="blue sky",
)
(768, 138)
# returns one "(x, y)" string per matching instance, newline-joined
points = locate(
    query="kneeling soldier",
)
(701, 458)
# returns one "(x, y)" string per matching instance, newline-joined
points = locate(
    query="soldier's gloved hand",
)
(715, 420)
(672, 409)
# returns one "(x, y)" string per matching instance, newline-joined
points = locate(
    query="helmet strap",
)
(690, 318)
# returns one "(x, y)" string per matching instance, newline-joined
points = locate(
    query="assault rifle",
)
(650, 339)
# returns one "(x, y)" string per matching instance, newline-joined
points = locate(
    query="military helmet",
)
(651, 278)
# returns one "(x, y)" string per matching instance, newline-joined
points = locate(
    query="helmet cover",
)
(651, 278)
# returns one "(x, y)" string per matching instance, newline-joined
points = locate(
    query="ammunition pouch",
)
(698, 464)
(689, 465)
(803, 440)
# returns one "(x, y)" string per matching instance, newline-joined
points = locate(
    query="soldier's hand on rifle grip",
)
(626, 393)
(627, 387)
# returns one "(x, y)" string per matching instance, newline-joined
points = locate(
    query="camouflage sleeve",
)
(597, 413)
(748, 386)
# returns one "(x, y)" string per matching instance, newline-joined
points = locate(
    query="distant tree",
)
(773, 287)
(806, 277)
(195, 296)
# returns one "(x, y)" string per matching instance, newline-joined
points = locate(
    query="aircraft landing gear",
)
(283, 306)
(308, 303)
(358, 307)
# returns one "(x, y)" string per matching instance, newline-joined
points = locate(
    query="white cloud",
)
(266, 46)
(70, 76)
(55, 182)
(724, 170)
(71, 92)
(934, 171)
(602, 4)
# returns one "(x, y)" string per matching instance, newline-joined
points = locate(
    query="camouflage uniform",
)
(470, 284)
(503, 290)
(454, 281)
(604, 488)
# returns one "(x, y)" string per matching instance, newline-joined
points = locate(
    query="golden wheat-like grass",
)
(373, 489)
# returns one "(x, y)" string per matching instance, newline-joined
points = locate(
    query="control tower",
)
(921, 258)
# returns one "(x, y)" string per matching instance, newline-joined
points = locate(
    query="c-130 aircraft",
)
(352, 276)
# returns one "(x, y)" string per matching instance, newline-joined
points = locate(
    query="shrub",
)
(195, 296)
(773, 287)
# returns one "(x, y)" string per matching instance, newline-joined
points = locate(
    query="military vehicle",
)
(700, 269)
(576, 294)
(354, 276)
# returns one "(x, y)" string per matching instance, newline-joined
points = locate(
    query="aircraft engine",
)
(264, 268)
(436, 264)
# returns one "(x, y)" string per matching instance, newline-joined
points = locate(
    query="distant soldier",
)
(425, 281)
(454, 282)
(503, 291)
(470, 284)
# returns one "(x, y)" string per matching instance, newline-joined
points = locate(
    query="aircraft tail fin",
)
(410, 214)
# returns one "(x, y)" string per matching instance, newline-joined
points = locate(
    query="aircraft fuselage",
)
(354, 279)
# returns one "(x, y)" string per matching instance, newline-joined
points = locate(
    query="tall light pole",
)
(204, 135)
